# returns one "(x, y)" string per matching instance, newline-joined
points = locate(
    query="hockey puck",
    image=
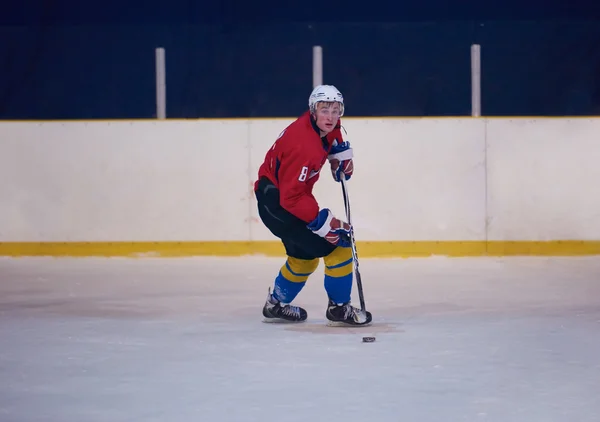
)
(368, 339)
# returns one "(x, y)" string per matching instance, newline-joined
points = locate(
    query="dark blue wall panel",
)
(92, 71)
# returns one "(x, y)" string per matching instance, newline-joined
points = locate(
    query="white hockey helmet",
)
(326, 93)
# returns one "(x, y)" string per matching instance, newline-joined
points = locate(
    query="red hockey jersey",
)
(294, 163)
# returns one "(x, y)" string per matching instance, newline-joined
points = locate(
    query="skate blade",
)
(280, 321)
(347, 324)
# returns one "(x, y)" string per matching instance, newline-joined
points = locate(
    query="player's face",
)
(327, 116)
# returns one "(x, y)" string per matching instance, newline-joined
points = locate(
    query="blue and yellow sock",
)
(338, 274)
(292, 278)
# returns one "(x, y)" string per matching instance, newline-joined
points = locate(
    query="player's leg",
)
(338, 275)
(296, 269)
(290, 280)
(339, 271)
(294, 273)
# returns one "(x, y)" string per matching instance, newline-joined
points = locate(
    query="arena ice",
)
(478, 338)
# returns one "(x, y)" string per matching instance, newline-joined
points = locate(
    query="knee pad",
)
(339, 263)
(298, 270)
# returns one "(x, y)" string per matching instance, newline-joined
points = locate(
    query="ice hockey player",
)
(289, 210)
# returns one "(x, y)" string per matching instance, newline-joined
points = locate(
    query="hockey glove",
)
(332, 229)
(340, 159)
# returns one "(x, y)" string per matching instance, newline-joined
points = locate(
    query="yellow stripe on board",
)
(396, 249)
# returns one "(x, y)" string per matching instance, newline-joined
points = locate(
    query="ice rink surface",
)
(161, 339)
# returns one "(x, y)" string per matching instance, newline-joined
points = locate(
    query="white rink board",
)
(191, 180)
(414, 179)
(122, 181)
(543, 179)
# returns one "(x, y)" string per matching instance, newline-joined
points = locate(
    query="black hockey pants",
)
(299, 241)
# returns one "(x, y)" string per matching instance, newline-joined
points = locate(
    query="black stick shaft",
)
(353, 243)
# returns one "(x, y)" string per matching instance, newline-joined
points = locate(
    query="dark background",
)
(89, 60)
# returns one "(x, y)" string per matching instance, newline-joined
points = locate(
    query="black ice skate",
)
(343, 315)
(275, 311)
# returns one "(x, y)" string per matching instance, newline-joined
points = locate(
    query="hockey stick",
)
(353, 244)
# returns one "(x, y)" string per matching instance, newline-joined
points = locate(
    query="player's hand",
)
(340, 159)
(334, 230)
(345, 168)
